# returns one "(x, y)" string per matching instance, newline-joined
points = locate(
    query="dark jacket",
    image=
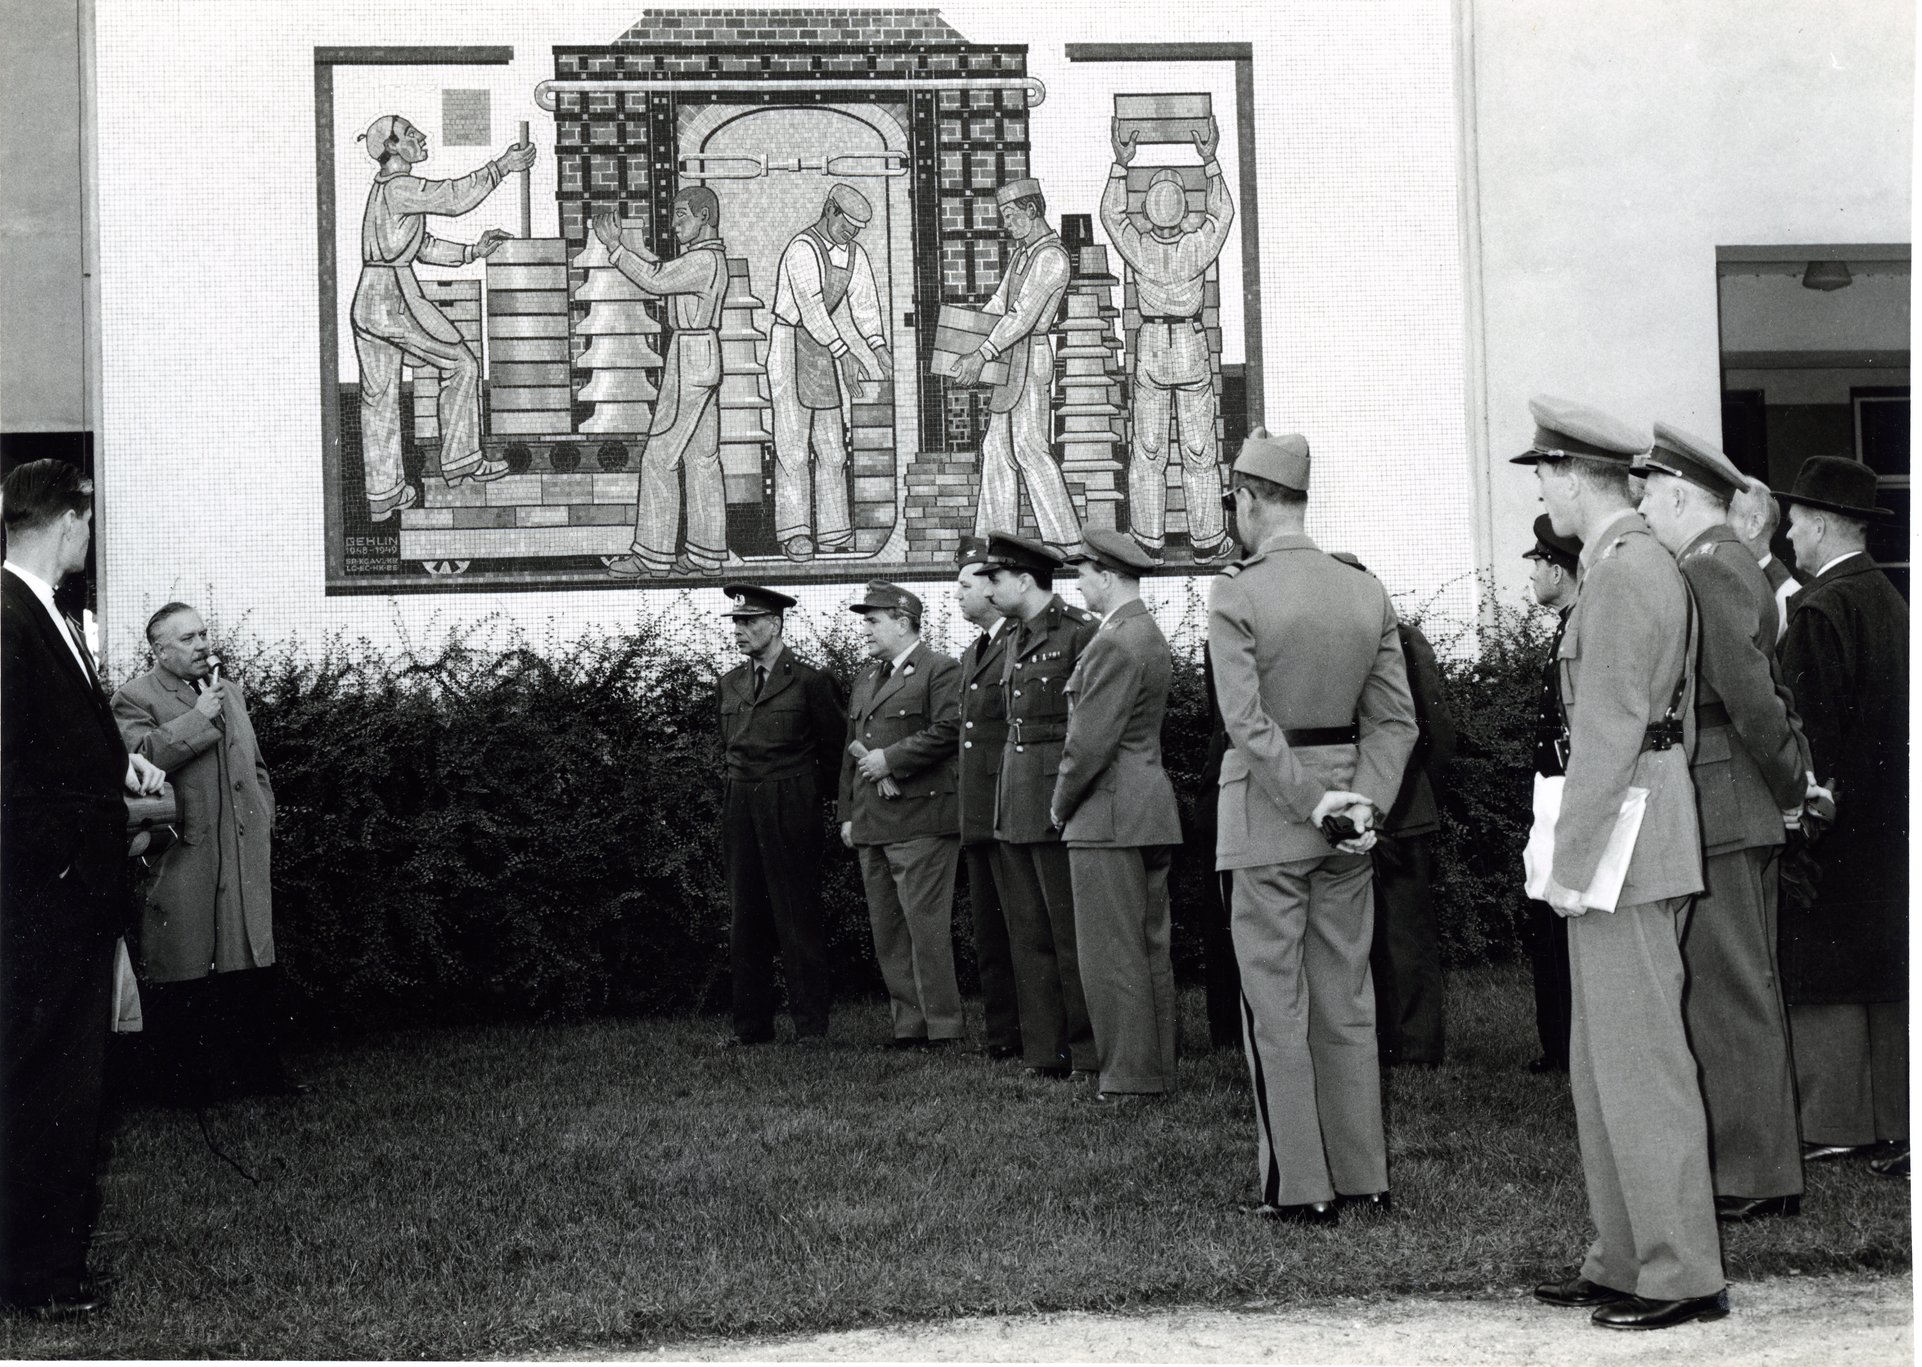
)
(1041, 656)
(984, 727)
(62, 775)
(914, 716)
(1415, 811)
(1846, 659)
(795, 727)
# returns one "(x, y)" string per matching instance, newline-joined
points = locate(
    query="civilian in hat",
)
(1623, 675)
(781, 728)
(1018, 447)
(1845, 960)
(1115, 809)
(1754, 515)
(984, 728)
(1749, 767)
(823, 271)
(898, 812)
(1405, 958)
(1034, 875)
(1545, 934)
(1172, 369)
(1314, 693)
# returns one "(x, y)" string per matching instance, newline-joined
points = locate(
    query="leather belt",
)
(1665, 734)
(1172, 321)
(1323, 735)
(1712, 714)
(1033, 733)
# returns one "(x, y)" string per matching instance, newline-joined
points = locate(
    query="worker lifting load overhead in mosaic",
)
(822, 271)
(684, 440)
(395, 325)
(1173, 371)
(1018, 446)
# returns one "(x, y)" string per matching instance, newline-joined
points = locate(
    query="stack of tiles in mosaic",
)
(540, 513)
(614, 325)
(460, 303)
(1090, 423)
(528, 391)
(745, 439)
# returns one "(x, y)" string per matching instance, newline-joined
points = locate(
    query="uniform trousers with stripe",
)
(1302, 934)
(1738, 1028)
(910, 887)
(993, 960)
(1638, 1106)
(1121, 932)
(1037, 893)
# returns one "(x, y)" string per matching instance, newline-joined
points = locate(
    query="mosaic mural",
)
(797, 305)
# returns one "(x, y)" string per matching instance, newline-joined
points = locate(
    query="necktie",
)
(80, 644)
(981, 646)
(760, 679)
(881, 675)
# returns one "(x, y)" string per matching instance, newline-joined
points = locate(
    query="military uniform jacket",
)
(211, 905)
(914, 717)
(1846, 657)
(1622, 653)
(984, 727)
(1041, 655)
(1300, 640)
(1749, 758)
(795, 727)
(1416, 810)
(1110, 789)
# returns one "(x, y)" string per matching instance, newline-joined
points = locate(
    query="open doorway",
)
(1815, 362)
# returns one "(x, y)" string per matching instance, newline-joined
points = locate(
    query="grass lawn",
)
(514, 1191)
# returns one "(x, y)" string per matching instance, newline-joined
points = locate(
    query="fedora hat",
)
(1836, 484)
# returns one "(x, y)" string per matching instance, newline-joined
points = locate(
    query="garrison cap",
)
(1009, 552)
(751, 600)
(1689, 457)
(1116, 551)
(881, 594)
(1281, 460)
(1564, 429)
(1017, 189)
(972, 551)
(1552, 546)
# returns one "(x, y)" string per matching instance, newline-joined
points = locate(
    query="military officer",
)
(984, 727)
(1033, 873)
(1656, 1260)
(1749, 767)
(1115, 809)
(898, 812)
(781, 728)
(1314, 694)
(1754, 515)
(1545, 935)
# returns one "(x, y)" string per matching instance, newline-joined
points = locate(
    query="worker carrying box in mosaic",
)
(1173, 368)
(684, 440)
(394, 323)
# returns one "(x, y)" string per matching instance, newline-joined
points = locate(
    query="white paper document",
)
(1538, 856)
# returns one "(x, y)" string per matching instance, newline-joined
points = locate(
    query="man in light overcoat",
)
(898, 813)
(207, 931)
(1116, 812)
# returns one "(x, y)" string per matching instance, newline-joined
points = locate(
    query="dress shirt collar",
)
(1836, 561)
(894, 665)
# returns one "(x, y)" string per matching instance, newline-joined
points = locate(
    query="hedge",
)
(485, 830)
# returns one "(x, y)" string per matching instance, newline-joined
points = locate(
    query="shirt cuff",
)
(837, 348)
(878, 343)
(1211, 168)
(989, 351)
(1118, 172)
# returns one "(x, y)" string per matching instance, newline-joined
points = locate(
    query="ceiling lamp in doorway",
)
(1826, 275)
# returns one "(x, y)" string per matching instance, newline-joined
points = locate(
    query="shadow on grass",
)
(511, 1191)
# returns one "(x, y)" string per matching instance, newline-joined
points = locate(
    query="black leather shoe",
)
(746, 1041)
(1578, 1293)
(1053, 1072)
(1638, 1312)
(1734, 1210)
(1323, 1213)
(69, 1305)
(936, 1045)
(1001, 1053)
(1895, 1165)
(905, 1043)
(1371, 1203)
(1828, 1153)
(1548, 1065)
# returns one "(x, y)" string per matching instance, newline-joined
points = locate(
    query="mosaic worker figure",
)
(1019, 443)
(684, 440)
(823, 270)
(1172, 368)
(395, 325)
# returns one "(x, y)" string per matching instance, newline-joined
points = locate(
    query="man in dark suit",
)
(898, 813)
(1749, 768)
(782, 728)
(1544, 934)
(1314, 693)
(1845, 960)
(1115, 809)
(63, 897)
(1037, 886)
(984, 728)
(1656, 1260)
(1406, 956)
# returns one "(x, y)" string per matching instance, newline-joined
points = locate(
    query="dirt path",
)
(1830, 1322)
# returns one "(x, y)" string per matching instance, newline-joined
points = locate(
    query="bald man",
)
(822, 272)
(1753, 515)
